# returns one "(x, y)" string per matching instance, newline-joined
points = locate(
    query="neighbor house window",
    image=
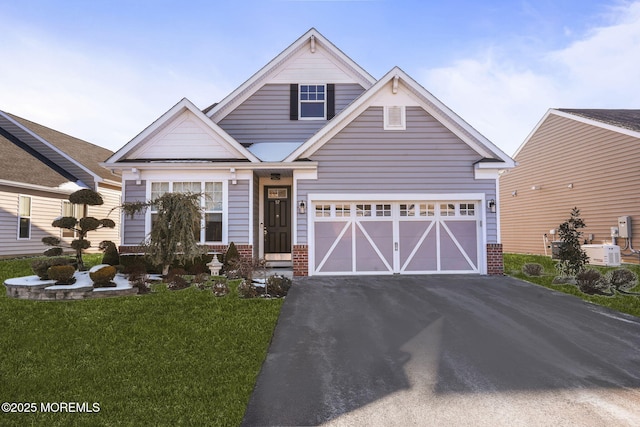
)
(24, 217)
(74, 211)
(210, 230)
(312, 101)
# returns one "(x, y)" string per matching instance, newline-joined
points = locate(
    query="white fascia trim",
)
(210, 166)
(249, 87)
(394, 197)
(597, 123)
(96, 178)
(176, 110)
(35, 187)
(429, 102)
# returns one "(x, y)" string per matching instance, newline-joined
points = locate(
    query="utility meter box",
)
(606, 255)
(624, 227)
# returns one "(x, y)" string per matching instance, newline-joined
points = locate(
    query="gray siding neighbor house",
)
(314, 164)
(39, 168)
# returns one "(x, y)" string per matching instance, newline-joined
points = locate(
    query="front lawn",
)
(168, 358)
(624, 303)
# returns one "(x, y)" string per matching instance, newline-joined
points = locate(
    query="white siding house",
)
(39, 168)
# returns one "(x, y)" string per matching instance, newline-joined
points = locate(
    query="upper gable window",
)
(313, 102)
(395, 118)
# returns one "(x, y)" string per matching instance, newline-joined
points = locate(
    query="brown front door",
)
(277, 220)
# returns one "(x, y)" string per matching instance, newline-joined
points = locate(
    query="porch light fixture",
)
(275, 176)
(302, 207)
(491, 205)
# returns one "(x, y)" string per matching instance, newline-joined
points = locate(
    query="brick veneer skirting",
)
(495, 262)
(300, 260)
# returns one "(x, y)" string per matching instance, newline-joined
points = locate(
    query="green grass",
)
(624, 303)
(168, 358)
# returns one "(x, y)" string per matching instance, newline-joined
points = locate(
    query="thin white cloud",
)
(504, 97)
(104, 98)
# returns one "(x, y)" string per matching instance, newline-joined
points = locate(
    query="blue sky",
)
(104, 70)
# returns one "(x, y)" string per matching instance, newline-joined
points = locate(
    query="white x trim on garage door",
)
(396, 237)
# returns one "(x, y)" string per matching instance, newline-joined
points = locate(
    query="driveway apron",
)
(446, 350)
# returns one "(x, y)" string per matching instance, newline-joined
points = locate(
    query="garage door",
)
(400, 237)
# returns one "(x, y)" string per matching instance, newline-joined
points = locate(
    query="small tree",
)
(81, 227)
(570, 251)
(173, 233)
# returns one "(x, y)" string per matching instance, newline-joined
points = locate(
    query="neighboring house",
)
(314, 163)
(589, 159)
(39, 168)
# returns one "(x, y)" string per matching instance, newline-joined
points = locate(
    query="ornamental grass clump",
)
(533, 269)
(592, 282)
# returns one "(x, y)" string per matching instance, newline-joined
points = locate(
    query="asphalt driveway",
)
(446, 350)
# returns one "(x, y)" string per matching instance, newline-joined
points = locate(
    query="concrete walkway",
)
(446, 351)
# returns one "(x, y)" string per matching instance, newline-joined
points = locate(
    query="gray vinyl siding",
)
(134, 229)
(264, 117)
(238, 211)
(425, 158)
(603, 167)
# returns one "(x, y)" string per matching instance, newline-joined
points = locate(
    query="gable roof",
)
(622, 121)
(312, 41)
(52, 157)
(626, 119)
(409, 91)
(163, 124)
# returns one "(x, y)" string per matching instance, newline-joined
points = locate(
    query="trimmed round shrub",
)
(54, 251)
(111, 255)
(86, 197)
(533, 269)
(67, 222)
(62, 274)
(89, 223)
(592, 282)
(80, 244)
(51, 241)
(41, 266)
(108, 223)
(102, 275)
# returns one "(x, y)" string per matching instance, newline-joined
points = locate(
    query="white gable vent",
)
(394, 118)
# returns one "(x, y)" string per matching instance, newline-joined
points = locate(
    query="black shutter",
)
(331, 101)
(293, 102)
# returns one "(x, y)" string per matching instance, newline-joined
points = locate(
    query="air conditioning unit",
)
(606, 255)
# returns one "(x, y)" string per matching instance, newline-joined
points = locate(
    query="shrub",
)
(277, 286)
(220, 288)
(102, 275)
(111, 255)
(86, 196)
(178, 282)
(246, 289)
(62, 274)
(231, 258)
(54, 252)
(41, 266)
(533, 269)
(570, 251)
(137, 275)
(592, 282)
(622, 279)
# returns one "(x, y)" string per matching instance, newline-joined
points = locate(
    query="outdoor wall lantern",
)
(491, 205)
(302, 207)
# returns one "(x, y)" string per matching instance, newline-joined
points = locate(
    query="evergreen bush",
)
(62, 274)
(102, 275)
